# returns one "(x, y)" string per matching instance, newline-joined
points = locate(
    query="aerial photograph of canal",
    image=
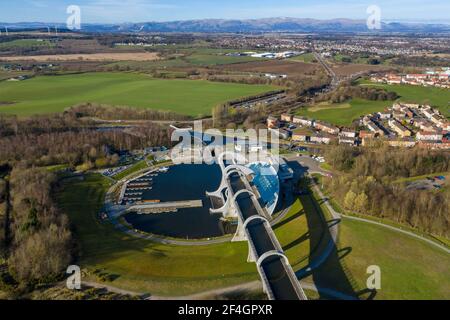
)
(191, 182)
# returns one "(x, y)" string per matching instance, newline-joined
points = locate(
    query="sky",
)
(119, 11)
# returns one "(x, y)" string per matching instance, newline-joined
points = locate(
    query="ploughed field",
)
(52, 94)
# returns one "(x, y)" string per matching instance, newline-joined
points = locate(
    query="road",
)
(328, 70)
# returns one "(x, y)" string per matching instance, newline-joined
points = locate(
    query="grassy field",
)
(326, 106)
(410, 269)
(344, 114)
(202, 59)
(306, 57)
(51, 94)
(143, 266)
(140, 265)
(291, 232)
(134, 168)
(437, 97)
(25, 43)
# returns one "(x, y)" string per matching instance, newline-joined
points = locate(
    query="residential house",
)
(348, 140)
(281, 133)
(272, 122)
(302, 135)
(347, 133)
(407, 142)
(363, 134)
(303, 121)
(384, 115)
(328, 128)
(375, 128)
(286, 117)
(429, 136)
(321, 138)
(400, 129)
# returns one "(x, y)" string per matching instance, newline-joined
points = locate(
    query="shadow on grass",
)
(289, 219)
(326, 260)
(296, 242)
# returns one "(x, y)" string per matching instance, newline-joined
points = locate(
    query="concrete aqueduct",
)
(242, 201)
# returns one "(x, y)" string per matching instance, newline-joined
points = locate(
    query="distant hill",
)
(247, 26)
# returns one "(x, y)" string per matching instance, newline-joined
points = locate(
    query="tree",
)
(42, 255)
(349, 200)
(361, 202)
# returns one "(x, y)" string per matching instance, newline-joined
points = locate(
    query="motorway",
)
(329, 71)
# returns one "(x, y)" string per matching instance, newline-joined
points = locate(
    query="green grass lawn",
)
(202, 59)
(141, 265)
(410, 269)
(306, 57)
(291, 233)
(134, 168)
(437, 97)
(344, 114)
(25, 43)
(52, 94)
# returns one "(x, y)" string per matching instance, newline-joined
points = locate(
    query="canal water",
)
(182, 182)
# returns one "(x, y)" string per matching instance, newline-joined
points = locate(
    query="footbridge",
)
(241, 201)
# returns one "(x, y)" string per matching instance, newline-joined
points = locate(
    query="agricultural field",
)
(114, 56)
(345, 70)
(306, 57)
(52, 94)
(25, 43)
(291, 68)
(204, 59)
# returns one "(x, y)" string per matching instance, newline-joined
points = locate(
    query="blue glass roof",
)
(267, 183)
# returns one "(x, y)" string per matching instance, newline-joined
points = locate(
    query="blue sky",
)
(114, 11)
